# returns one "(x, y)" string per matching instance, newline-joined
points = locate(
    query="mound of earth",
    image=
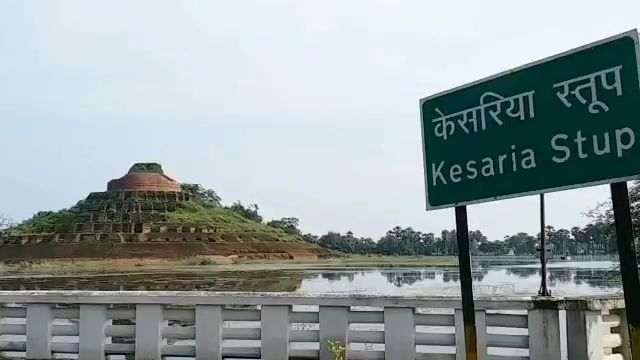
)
(146, 214)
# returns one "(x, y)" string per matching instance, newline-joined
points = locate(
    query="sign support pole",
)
(628, 263)
(466, 285)
(544, 289)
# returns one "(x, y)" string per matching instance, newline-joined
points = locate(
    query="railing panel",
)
(179, 332)
(304, 336)
(435, 339)
(508, 341)
(187, 315)
(429, 356)
(507, 320)
(73, 313)
(13, 312)
(241, 315)
(125, 314)
(435, 319)
(124, 331)
(366, 317)
(366, 355)
(304, 317)
(241, 333)
(119, 349)
(65, 330)
(179, 350)
(363, 336)
(13, 329)
(65, 348)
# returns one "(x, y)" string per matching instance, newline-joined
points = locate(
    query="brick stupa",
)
(136, 218)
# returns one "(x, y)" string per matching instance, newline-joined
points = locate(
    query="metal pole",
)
(466, 284)
(544, 289)
(628, 263)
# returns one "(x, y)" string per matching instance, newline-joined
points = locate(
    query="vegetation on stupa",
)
(204, 207)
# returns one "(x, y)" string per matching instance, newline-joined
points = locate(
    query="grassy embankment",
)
(219, 263)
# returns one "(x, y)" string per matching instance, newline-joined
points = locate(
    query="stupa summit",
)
(142, 214)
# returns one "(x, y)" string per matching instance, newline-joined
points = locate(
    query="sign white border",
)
(633, 34)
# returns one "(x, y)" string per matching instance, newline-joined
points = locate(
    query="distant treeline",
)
(596, 238)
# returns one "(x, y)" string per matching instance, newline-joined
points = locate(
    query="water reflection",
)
(488, 280)
(268, 281)
(564, 279)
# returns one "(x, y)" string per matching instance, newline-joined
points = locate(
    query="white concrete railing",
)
(208, 325)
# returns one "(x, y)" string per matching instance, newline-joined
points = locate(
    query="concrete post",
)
(274, 324)
(544, 334)
(584, 335)
(399, 333)
(334, 326)
(93, 322)
(149, 324)
(209, 324)
(39, 319)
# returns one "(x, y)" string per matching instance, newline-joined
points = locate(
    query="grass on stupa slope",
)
(190, 212)
(194, 213)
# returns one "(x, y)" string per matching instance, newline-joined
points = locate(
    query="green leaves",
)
(338, 349)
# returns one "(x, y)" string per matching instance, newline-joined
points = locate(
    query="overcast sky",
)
(308, 108)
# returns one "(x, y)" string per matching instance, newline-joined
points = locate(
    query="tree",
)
(449, 242)
(561, 240)
(521, 243)
(399, 241)
(497, 247)
(5, 224)
(206, 197)
(347, 243)
(476, 237)
(288, 224)
(310, 238)
(250, 212)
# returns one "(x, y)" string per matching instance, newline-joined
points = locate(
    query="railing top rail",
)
(247, 298)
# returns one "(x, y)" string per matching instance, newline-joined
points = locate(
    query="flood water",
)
(565, 278)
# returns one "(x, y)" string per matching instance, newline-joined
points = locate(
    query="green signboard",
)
(564, 122)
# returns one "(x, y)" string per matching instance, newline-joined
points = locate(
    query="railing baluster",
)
(149, 324)
(274, 324)
(461, 353)
(399, 333)
(39, 321)
(93, 322)
(544, 334)
(481, 333)
(209, 324)
(334, 326)
(584, 335)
